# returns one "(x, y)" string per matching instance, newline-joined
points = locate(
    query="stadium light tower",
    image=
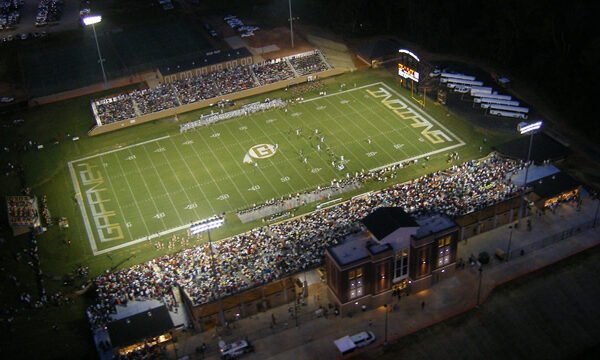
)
(527, 129)
(207, 225)
(93, 20)
(291, 20)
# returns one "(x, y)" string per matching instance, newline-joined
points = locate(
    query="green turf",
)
(160, 186)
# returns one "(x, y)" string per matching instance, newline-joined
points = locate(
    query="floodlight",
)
(91, 20)
(205, 225)
(526, 128)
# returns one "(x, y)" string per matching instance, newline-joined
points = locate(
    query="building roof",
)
(376, 249)
(351, 250)
(386, 220)
(553, 185)
(356, 248)
(209, 58)
(143, 325)
(377, 49)
(433, 224)
(543, 148)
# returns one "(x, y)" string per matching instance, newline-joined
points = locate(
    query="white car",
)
(247, 34)
(7, 99)
(363, 338)
(235, 349)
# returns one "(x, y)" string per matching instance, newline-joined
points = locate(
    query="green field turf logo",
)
(261, 151)
(406, 112)
(95, 190)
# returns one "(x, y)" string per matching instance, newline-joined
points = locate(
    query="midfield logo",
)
(261, 151)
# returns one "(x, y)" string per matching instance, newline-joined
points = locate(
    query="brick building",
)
(394, 252)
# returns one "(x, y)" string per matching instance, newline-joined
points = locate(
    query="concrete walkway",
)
(554, 236)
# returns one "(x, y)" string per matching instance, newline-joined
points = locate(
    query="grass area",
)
(206, 169)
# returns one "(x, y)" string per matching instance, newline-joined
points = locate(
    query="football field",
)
(143, 191)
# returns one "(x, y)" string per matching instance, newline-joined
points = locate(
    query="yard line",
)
(225, 170)
(212, 209)
(121, 148)
(133, 195)
(181, 188)
(185, 135)
(349, 151)
(429, 117)
(283, 116)
(288, 160)
(162, 183)
(142, 239)
(115, 195)
(369, 122)
(141, 176)
(338, 93)
(276, 189)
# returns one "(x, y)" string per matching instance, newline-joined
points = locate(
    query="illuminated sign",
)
(404, 51)
(206, 224)
(407, 72)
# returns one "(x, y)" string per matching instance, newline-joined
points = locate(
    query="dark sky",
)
(554, 46)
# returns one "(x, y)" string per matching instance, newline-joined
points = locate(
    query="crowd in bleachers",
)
(115, 108)
(308, 64)
(277, 250)
(271, 72)
(162, 97)
(208, 86)
(22, 210)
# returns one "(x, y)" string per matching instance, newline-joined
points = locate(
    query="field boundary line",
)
(142, 239)
(339, 92)
(119, 149)
(80, 203)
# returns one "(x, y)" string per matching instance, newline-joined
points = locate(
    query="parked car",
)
(235, 349)
(348, 344)
(363, 338)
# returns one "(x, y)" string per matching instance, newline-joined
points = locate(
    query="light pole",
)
(385, 338)
(305, 286)
(207, 225)
(509, 243)
(524, 129)
(291, 20)
(216, 294)
(93, 20)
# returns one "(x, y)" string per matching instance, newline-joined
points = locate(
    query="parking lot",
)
(69, 19)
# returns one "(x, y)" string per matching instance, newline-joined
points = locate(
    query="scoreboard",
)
(407, 72)
(408, 65)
